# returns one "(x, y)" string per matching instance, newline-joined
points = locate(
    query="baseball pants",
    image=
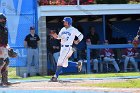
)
(32, 56)
(65, 53)
(112, 60)
(132, 60)
(95, 64)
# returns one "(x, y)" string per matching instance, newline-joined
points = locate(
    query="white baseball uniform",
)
(67, 36)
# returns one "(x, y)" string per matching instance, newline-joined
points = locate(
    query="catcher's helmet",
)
(3, 20)
(68, 19)
(2, 16)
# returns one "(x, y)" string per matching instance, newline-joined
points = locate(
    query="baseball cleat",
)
(53, 79)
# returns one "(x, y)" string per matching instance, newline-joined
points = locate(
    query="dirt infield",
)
(70, 85)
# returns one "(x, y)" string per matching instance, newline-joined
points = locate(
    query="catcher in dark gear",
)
(4, 60)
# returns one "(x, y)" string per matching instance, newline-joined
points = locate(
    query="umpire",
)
(4, 60)
(31, 42)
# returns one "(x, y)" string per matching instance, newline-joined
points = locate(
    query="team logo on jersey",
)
(67, 33)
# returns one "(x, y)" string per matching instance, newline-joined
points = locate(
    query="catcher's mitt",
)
(135, 43)
(12, 53)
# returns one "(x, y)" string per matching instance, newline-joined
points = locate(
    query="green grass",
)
(105, 75)
(12, 74)
(133, 83)
(125, 84)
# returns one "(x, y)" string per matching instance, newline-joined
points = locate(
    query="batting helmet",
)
(68, 19)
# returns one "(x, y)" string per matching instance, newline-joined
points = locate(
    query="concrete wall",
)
(42, 49)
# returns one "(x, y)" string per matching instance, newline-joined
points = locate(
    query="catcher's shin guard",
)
(4, 73)
(4, 79)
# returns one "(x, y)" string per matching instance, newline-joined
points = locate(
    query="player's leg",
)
(61, 62)
(36, 61)
(29, 60)
(95, 65)
(56, 56)
(78, 64)
(5, 73)
(115, 64)
(125, 63)
(106, 61)
(1, 66)
(132, 60)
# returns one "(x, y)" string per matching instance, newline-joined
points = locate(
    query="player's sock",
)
(58, 71)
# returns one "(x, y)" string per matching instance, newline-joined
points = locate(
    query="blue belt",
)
(66, 45)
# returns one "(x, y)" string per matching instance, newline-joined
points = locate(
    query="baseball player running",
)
(67, 35)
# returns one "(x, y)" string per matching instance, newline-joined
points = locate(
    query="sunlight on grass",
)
(133, 83)
(101, 75)
(106, 75)
(12, 73)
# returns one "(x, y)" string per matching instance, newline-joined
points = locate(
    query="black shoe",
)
(94, 71)
(9, 83)
(37, 74)
(53, 79)
(118, 71)
(5, 84)
(28, 75)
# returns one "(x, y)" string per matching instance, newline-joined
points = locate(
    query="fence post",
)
(104, 27)
(88, 59)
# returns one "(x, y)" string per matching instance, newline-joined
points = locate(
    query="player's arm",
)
(25, 41)
(136, 38)
(8, 47)
(54, 34)
(38, 40)
(138, 34)
(80, 37)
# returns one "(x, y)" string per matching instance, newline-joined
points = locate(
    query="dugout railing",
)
(113, 46)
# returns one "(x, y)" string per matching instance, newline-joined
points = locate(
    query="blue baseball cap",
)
(68, 19)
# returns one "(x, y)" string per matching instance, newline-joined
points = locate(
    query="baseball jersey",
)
(107, 52)
(129, 52)
(32, 40)
(67, 35)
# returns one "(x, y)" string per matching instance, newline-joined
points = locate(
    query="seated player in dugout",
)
(107, 55)
(129, 55)
(93, 38)
(55, 46)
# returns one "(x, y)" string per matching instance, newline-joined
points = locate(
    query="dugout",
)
(124, 20)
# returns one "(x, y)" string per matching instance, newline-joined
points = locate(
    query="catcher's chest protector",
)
(3, 35)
